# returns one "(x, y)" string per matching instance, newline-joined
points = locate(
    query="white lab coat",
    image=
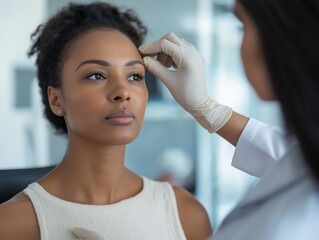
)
(284, 205)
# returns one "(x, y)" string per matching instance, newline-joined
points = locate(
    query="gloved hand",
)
(187, 81)
(85, 234)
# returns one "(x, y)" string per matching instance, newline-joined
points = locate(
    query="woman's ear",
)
(55, 100)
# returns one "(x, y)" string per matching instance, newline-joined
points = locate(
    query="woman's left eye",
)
(136, 77)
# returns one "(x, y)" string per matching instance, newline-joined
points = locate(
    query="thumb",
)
(156, 68)
(85, 234)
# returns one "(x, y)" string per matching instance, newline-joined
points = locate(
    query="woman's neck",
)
(93, 174)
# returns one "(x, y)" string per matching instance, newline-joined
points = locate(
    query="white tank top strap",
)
(30, 191)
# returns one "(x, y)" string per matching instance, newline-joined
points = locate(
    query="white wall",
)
(17, 20)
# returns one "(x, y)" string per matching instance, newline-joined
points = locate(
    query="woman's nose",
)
(120, 92)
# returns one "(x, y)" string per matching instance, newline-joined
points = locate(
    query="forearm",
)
(232, 130)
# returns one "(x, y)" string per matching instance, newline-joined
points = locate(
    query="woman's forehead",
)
(103, 43)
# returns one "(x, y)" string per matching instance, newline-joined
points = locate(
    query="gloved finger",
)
(159, 46)
(85, 234)
(172, 50)
(155, 46)
(156, 68)
(164, 46)
(172, 37)
(150, 48)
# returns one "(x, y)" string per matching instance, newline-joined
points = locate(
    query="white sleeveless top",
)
(151, 214)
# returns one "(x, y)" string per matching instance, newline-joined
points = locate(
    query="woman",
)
(91, 78)
(280, 56)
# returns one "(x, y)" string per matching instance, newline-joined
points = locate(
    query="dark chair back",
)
(13, 181)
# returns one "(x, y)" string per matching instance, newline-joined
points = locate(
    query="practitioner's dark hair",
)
(52, 41)
(289, 36)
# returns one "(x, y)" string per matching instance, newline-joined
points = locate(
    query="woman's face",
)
(253, 56)
(103, 91)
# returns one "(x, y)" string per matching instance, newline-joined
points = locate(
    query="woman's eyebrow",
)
(132, 63)
(95, 61)
(105, 63)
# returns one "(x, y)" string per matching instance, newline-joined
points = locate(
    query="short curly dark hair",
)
(52, 40)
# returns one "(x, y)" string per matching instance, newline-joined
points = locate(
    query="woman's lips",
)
(121, 117)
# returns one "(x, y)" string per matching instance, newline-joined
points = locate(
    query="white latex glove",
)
(85, 234)
(187, 81)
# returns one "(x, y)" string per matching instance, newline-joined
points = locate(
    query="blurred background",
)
(171, 146)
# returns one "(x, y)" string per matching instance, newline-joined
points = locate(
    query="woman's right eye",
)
(96, 76)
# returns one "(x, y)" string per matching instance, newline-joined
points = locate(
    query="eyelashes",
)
(136, 77)
(96, 76)
(101, 76)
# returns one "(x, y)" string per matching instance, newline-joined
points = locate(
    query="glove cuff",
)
(211, 115)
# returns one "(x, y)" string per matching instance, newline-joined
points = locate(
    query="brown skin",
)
(92, 170)
(193, 216)
(18, 219)
(232, 130)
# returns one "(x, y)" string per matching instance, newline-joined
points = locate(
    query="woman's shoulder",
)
(192, 214)
(18, 219)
